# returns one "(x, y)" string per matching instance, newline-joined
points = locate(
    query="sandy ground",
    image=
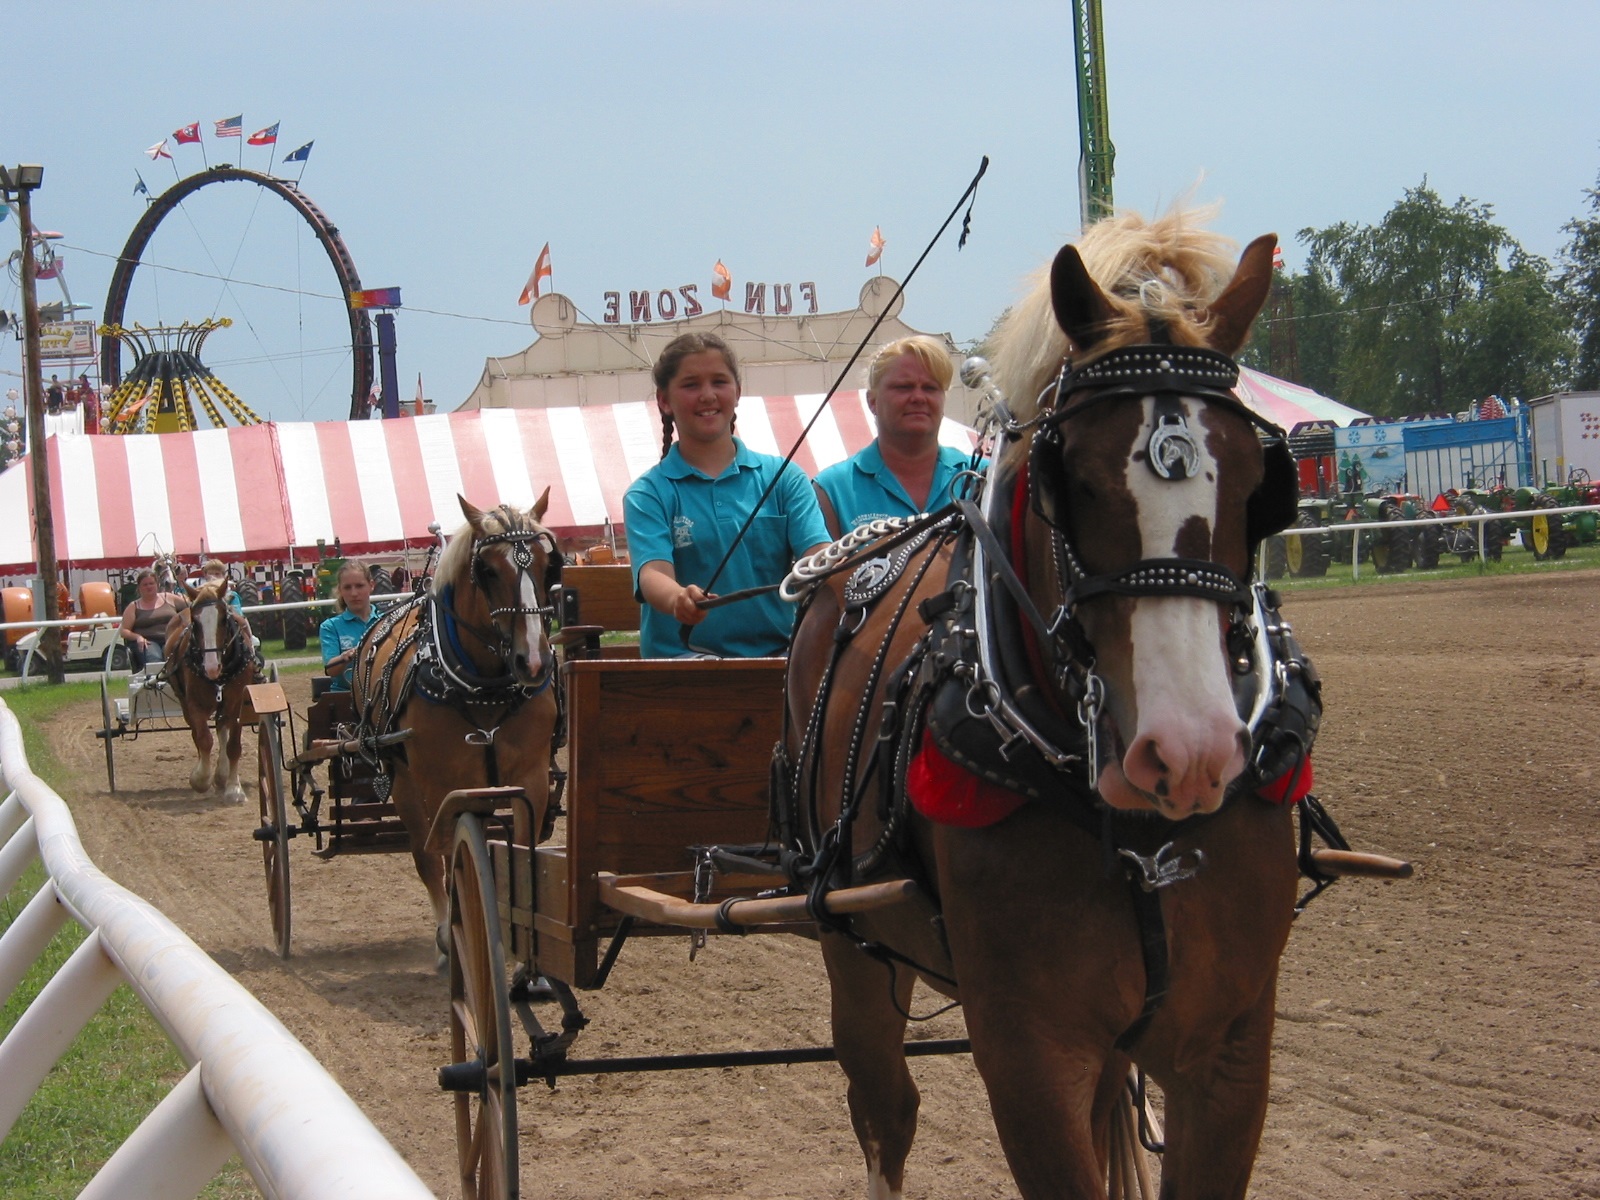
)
(1436, 1038)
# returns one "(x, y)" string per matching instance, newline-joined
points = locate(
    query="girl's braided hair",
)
(671, 358)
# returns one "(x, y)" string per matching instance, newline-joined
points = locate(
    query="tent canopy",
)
(254, 492)
(258, 491)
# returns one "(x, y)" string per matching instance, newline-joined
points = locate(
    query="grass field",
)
(121, 1064)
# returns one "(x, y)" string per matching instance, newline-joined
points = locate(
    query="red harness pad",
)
(1290, 787)
(951, 795)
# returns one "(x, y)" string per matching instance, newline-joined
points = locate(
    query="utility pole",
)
(21, 181)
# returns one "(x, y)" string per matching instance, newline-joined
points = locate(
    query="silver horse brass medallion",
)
(1172, 451)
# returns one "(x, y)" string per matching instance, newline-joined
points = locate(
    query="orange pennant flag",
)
(416, 407)
(541, 270)
(876, 252)
(724, 281)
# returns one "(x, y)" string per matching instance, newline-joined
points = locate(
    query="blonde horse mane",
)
(455, 564)
(1170, 268)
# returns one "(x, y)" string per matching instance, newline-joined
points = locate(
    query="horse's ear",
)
(540, 505)
(188, 591)
(1081, 308)
(1241, 300)
(473, 515)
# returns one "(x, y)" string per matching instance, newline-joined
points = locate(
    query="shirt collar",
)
(673, 465)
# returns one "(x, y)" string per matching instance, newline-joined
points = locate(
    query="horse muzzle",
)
(1177, 769)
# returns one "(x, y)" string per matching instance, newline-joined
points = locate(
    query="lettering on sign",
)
(66, 339)
(673, 304)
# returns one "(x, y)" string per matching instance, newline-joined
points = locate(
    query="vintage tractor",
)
(1389, 550)
(1305, 556)
(1462, 540)
(1546, 538)
(1581, 529)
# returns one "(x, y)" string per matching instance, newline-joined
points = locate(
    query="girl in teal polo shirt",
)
(684, 513)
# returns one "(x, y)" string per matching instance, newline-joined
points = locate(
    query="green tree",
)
(1438, 306)
(1579, 282)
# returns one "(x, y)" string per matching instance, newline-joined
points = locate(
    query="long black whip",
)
(843, 374)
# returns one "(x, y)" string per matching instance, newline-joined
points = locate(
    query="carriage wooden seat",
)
(359, 822)
(596, 600)
(664, 754)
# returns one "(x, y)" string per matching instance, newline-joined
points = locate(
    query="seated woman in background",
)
(904, 471)
(145, 620)
(353, 615)
(683, 514)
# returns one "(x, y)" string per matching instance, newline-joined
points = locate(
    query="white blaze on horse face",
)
(208, 629)
(1188, 743)
(539, 656)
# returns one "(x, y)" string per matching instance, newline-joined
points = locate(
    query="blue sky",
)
(644, 141)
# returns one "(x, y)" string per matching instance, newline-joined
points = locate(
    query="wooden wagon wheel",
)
(273, 832)
(480, 1022)
(108, 734)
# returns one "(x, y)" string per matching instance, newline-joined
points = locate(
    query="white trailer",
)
(1566, 435)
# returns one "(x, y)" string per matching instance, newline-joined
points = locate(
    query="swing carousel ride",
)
(224, 250)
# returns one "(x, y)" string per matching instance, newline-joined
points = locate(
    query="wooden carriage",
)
(665, 792)
(347, 816)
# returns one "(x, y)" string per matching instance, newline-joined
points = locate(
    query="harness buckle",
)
(1165, 867)
(481, 737)
(1089, 708)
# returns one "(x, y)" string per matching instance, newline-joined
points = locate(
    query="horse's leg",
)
(200, 727)
(417, 816)
(1047, 954)
(1215, 1110)
(869, 1029)
(227, 774)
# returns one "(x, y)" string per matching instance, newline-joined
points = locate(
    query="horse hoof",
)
(233, 796)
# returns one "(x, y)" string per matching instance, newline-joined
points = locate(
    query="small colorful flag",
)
(140, 187)
(376, 298)
(1277, 258)
(541, 270)
(189, 133)
(299, 155)
(159, 150)
(724, 281)
(265, 137)
(375, 396)
(876, 252)
(230, 126)
(416, 408)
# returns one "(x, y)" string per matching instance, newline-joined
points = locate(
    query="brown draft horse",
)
(209, 665)
(1124, 509)
(468, 668)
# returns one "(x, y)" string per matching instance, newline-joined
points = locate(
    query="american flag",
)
(230, 126)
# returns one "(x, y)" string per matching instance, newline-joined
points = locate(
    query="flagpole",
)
(204, 157)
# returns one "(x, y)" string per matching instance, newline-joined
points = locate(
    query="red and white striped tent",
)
(255, 492)
(1288, 404)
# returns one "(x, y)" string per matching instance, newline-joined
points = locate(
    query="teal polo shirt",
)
(861, 489)
(339, 633)
(678, 514)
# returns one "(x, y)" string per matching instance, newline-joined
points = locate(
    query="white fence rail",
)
(252, 1088)
(1362, 527)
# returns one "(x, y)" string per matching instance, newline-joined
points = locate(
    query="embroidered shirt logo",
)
(682, 532)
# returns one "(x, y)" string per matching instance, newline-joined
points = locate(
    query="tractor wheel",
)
(1430, 544)
(382, 582)
(1278, 555)
(1392, 549)
(296, 621)
(249, 596)
(1546, 536)
(1308, 555)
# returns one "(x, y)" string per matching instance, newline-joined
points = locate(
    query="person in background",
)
(145, 620)
(684, 513)
(353, 616)
(904, 471)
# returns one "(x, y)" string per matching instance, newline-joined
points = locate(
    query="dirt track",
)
(1436, 1038)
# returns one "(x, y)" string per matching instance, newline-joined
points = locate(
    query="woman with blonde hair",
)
(905, 470)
